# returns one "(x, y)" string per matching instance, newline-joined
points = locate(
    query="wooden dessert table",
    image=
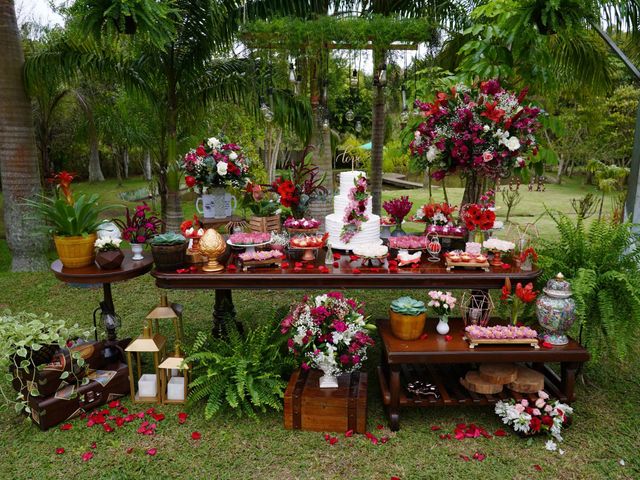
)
(436, 361)
(94, 274)
(346, 275)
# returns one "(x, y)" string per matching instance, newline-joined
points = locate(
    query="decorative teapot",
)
(556, 310)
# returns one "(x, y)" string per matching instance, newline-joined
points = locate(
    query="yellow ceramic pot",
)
(76, 251)
(407, 327)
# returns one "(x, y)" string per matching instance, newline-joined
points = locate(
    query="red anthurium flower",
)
(182, 417)
(59, 451)
(66, 426)
(500, 433)
(93, 445)
(86, 456)
(196, 435)
(348, 433)
(435, 428)
(152, 451)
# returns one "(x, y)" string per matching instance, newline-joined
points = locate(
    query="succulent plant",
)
(169, 238)
(408, 306)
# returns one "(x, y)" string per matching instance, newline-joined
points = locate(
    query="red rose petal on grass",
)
(395, 478)
(479, 456)
(231, 268)
(140, 414)
(448, 338)
(337, 256)
(182, 417)
(59, 451)
(130, 450)
(333, 440)
(93, 445)
(284, 265)
(435, 428)
(348, 433)
(158, 417)
(119, 421)
(196, 435)
(152, 451)
(374, 440)
(384, 439)
(500, 433)
(83, 416)
(327, 437)
(66, 426)
(459, 435)
(124, 410)
(424, 336)
(86, 456)
(379, 426)
(107, 428)
(546, 345)
(537, 467)
(445, 436)
(465, 458)
(356, 270)
(114, 404)
(336, 265)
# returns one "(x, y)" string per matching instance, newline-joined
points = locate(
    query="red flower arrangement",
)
(436, 213)
(304, 183)
(523, 296)
(398, 208)
(528, 253)
(139, 228)
(478, 217)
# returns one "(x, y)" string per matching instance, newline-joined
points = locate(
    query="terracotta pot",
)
(76, 251)
(169, 257)
(110, 260)
(407, 327)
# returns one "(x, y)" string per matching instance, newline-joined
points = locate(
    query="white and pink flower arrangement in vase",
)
(442, 304)
(328, 332)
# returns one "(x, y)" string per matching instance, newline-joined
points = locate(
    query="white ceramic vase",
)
(443, 325)
(216, 204)
(136, 249)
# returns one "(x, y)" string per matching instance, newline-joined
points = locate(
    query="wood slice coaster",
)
(528, 381)
(498, 373)
(475, 383)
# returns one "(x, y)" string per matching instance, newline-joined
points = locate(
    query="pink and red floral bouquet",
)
(216, 163)
(532, 417)
(328, 332)
(483, 129)
(440, 214)
(355, 213)
(139, 228)
(398, 208)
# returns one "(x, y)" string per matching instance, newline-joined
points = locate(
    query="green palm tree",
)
(19, 167)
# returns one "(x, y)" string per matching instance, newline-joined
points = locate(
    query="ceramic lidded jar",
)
(556, 310)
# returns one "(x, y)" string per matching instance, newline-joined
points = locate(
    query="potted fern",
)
(168, 250)
(72, 221)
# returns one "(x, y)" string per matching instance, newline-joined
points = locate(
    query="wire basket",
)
(476, 308)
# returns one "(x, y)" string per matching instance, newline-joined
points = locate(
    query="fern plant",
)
(243, 373)
(602, 263)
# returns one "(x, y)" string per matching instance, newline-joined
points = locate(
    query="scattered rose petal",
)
(561, 451)
(448, 338)
(374, 439)
(445, 436)
(393, 269)
(158, 417)
(130, 450)
(107, 428)
(506, 266)
(231, 268)
(310, 266)
(348, 433)
(353, 258)
(193, 269)
(395, 478)
(379, 426)
(196, 435)
(479, 456)
(333, 440)
(546, 345)
(93, 445)
(551, 445)
(59, 451)
(119, 421)
(140, 415)
(465, 458)
(424, 336)
(284, 265)
(86, 456)
(298, 265)
(327, 437)
(152, 451)
(337, 256)
(384, 439)
(356, 270)
(435, 428)
(500, 433)
(415, 265)
(537, 467)
(66, 426)
(182, 417)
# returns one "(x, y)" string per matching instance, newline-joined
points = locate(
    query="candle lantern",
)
(166, 311)
(149, 388)
(174, 378)
(476, 308)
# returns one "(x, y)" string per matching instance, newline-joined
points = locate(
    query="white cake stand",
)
(347, 247)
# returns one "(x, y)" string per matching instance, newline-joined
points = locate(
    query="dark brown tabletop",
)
(436, 349)
(344, 276)
(94, 274)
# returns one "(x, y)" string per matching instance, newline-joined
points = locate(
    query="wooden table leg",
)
(568, 380)
(223, 311)
(394, 406)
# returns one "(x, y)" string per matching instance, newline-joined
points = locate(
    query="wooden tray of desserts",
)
(467, 262)
(269, 262)
(474, 342)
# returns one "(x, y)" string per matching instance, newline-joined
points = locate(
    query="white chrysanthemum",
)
(213, 142)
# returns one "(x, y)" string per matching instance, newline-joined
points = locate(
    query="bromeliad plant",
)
(328, 332)
(28, 341)
(139, 228)
(602, 263)
(241, 373)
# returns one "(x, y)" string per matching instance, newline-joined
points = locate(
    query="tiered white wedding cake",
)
(369, 231)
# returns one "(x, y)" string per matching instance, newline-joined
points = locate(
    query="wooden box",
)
(309, 407)
(265, 224)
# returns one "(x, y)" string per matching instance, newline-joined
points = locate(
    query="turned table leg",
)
(568, 380)
(394, 404)
(224, 311)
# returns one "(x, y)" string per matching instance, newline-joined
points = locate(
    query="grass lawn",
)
(604, 431)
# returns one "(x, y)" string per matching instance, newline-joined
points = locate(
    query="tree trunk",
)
(19, 164)
(125, 162)
(117, 164)
(95, 171)
(168, 178)
(377, 137)
(473, 190)
(146, 166)
(174, 212)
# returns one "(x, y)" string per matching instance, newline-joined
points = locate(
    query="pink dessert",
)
(500, 332)
(252, 238)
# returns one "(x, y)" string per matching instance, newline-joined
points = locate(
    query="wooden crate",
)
(265, 224)
(309, 407)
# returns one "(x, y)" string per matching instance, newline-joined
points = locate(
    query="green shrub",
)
(602, 264)
(243, 373)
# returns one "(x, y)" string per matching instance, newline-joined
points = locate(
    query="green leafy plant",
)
(26, 343)
(408, 306)
(243, 373)
(166, 239)
(602, 263)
